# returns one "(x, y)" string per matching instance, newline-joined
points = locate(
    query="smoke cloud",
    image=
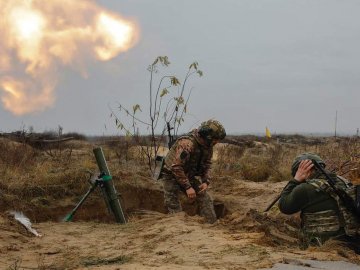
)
(39, 38)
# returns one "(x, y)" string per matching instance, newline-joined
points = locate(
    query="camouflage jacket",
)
(323, 215)
(304, 197)
(188, 158)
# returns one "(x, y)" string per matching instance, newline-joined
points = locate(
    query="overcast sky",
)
(288, 65)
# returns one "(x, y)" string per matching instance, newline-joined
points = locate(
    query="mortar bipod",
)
(94, 182)
(104, 180)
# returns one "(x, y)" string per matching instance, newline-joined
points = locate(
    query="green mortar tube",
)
(110, 194)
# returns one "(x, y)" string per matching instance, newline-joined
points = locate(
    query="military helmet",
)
(212, 130)
(305, 156)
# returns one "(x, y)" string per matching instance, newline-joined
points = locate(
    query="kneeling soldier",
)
(187, 165)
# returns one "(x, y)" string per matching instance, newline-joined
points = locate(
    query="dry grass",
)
(36, 180)
(16, 155)
(46, 186)
(23, 165)
(271, 161)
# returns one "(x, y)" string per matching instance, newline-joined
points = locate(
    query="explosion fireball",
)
(39, 37)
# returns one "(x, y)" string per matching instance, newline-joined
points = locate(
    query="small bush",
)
(255, 169)
(17, 155)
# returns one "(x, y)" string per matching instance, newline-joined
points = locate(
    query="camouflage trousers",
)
(171, 195)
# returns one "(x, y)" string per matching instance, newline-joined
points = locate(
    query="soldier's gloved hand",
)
(304, 171)
(203, 187)
(190, 192)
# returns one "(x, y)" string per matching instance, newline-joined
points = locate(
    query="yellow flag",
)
(267, 132)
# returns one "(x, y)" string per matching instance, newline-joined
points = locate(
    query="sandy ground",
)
(149, 241)
(245, 238)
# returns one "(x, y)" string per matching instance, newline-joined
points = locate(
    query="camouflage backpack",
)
(345, 218)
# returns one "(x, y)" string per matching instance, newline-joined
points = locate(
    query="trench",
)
(43, 207)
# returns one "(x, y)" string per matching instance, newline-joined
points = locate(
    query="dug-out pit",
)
(53, 205)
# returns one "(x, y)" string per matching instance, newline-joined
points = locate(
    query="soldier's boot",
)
(206, 206)
(171, 190)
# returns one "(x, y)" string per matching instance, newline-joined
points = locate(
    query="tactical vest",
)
(331, 221)
(194, 166)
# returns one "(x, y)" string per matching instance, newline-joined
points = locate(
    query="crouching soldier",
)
(323, 213)
(186, 168)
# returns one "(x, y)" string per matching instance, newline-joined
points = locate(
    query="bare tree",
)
(168, 102)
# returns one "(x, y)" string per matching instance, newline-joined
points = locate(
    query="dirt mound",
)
(278, 231)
